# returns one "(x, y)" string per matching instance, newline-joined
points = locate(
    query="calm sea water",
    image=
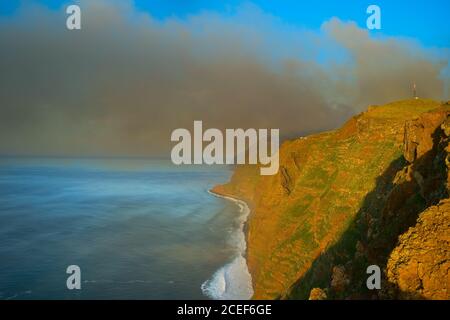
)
(138, 229)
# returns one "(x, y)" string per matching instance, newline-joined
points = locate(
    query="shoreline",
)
(237, 201)
(238, 266)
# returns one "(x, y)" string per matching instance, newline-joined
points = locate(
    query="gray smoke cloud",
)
(121, 84)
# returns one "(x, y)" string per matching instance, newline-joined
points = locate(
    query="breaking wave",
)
(232, 281)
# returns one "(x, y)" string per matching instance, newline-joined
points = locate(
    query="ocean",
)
(137, 228)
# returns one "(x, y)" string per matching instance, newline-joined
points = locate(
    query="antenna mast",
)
(415, 91)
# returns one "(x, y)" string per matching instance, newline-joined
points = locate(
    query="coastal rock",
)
(317, 294)
(420, 265)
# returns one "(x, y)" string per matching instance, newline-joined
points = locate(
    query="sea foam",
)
(232, 281)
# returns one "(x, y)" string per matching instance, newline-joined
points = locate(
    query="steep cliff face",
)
(340, 201)
(419, 266)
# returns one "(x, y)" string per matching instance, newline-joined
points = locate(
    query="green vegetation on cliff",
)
(340, 201)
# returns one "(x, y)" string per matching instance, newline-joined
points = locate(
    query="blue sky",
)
(423, 20)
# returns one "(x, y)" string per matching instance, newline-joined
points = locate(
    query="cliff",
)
(372, 192)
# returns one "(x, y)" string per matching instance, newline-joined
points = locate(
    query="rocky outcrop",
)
(420, 265)
(419, 134)
(317, 294)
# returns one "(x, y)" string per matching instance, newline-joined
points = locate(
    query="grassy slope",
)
(321, 186)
